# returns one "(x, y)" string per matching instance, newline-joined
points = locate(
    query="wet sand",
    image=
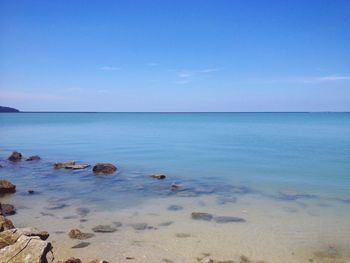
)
(275, 231)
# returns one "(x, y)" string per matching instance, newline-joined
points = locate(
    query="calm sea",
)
(266, 152)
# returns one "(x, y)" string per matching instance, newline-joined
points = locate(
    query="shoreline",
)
(152, 232)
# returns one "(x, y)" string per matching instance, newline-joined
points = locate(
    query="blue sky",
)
(175, 55)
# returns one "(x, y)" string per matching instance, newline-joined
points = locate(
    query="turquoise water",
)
(307, 153)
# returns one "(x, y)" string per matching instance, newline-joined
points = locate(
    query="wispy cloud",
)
(152, 64)
(208, 70)
(322, 79)
(184, 74)
(109, 68)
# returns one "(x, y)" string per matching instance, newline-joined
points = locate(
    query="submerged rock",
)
(98, 261)
(139, 226)
(31, 191)
(56, 206)
(201, 216)
(81, 245)
(33, 158)
(228, 219)
(60, 165)
(83, 211)
(5, 224)
(104, 229)
(77, 234)
(174, 186)
(77, 166)
(175, 207)
(27, 249)
(104, 168)
(15, 156)
(166, 223)
(7, 209)
(290, 196)
(158, 176)
(7, 187)
(183, 235)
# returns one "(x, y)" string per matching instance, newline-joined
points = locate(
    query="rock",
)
(71, 260)
(139, 226)
(81, 245)
(98, 261)
(174, 186)
(77, 166)
(59, 165)
(7, 187)
(32, 231)
(83, 211)
(244, 259)
(55, 206)
(7, 238)
(175, 208)
(182, 235)
(104, 168)
(228, 219)
(207, 260)
(30, 191)
(5, 224)
(104, 229)
(33, 158)
(226, 199)
(7, 209)
(166, 223)
(201, 216)
(77, 234)
(291, 196)
(117, 224)
(158, 176)
(15, 156)
(27, 249)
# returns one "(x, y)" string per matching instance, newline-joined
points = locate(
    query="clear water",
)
(267, 152)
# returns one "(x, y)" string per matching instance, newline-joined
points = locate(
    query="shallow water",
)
(286, 174)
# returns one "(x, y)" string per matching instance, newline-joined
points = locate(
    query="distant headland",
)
(8, 109)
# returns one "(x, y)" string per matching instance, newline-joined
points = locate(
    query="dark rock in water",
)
(56, 206)
(33, 158)
(7, 187)
(175, 207)
(15, 156)
(174, 186)
(60, 165)
(104, 168)
(226, 199)
(70, 260)
(77, 234)
(117, 224)
(81, 245)
(104, 229)
(228, 219)
(83, 211)
(30, 191)
(183, 235)
(187, 193)
(244, 259)
(83, 220)
(167, 260)
(289, 196)
(158, 176)
(5, 224)
(1, 166)
(70, 217)
(7, 209)
(201, 216)
(77, 166)
(166, 223)
(139, 226)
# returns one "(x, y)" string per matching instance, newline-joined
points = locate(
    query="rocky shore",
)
(24, 243)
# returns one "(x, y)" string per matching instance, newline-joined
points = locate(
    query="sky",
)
(162, 55)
